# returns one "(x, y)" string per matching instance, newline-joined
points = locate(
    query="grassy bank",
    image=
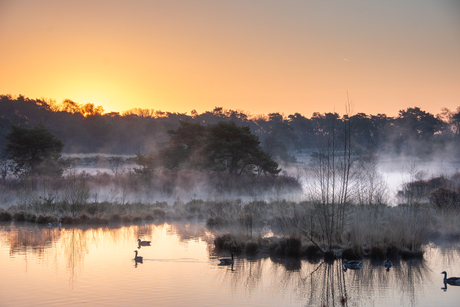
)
(281, 228)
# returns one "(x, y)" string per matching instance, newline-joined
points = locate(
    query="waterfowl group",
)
(227, 260)
(454, 281)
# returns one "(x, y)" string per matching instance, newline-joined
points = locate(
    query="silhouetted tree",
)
(444, 198)
(34, 151)
(235, 149)
(184, 146)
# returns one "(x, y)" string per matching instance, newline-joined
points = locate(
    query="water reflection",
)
(182, 254)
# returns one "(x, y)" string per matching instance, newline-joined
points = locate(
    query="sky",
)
(257, 56)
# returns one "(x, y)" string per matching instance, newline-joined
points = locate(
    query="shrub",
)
(126, 218)
(310, 250)
(98, 219)
(293, 246)
(228, 242)
(251, 248)
(377, 252)
(137, 219)
(149, 217)
(116, 217)
(41, 219)
(30, 217)
(159, 213)
(220, 240)
(392, 250)
(19, 216)
(214, 221)
(351, 253)
(444, 198)
(84, 217)
(407, 254)
(288, 247)
(5, 216)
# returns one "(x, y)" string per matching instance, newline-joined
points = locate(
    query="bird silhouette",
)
(138, 258)
(143, 243)
(227, 260)
(388, 264)
(352, 264)
(453, 281)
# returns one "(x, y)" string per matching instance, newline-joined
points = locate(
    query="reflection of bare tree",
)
(75, 248)
(188, 230)
(71, 244)
(30, 238)
(313, 283)
(243, 275)
(325, 283)
(446, 252)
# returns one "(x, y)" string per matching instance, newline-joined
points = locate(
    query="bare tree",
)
(331, 179)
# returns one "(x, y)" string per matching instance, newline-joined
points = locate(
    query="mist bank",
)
(361, 226)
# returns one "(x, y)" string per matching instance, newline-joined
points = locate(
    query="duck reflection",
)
(142, 243)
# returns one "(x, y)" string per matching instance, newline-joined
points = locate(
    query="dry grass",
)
(376, 230)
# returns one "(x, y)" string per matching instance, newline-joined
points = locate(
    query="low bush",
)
(20, 216)
(310, 251)
(377, 252)
(351, 253)
(252, 248)
(5, 216)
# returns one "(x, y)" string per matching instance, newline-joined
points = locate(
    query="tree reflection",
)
(30, 238)
(327, 283)
(312, 282)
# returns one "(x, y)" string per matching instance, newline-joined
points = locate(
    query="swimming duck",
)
(388, 264)
(227, 260)
(352, 264)
(143, 243)
(451, 280)
(138, 258)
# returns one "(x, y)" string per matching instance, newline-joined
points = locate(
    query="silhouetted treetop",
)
(84, 128)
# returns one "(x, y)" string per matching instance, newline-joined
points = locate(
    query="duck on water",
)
(454, 281)
(143, 243)
(227, 260)
(352, 264)
(388, 264)
(138, 258)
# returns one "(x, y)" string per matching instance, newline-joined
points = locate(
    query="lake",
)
(94, 266)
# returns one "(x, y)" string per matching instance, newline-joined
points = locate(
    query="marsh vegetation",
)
(288, 186)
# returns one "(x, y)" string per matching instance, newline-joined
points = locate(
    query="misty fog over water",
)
(394, 170)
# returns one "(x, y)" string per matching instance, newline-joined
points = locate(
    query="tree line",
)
(85, 128)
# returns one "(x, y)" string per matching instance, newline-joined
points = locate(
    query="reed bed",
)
(276, 225)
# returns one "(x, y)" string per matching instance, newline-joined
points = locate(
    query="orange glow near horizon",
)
(259, 57)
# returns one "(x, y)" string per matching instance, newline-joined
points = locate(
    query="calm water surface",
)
(86, 266)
